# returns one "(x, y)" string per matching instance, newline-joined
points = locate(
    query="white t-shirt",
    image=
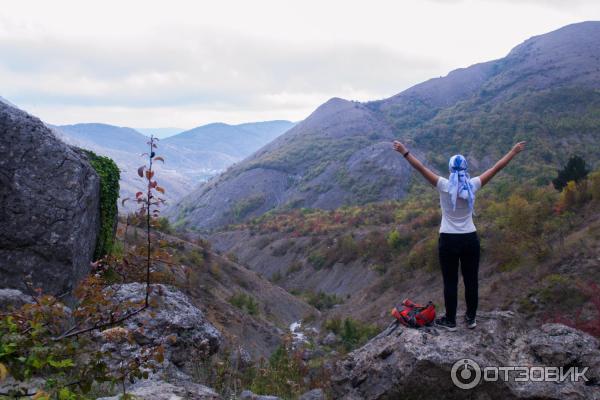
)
(461, 219)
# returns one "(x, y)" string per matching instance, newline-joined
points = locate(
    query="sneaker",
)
(470, 322)
(443, 322)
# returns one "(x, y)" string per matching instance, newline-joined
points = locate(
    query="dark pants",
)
(464, 248)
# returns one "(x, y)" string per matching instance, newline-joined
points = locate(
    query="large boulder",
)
(50, 217)
(411, 363)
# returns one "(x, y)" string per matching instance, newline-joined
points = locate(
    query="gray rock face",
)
(315, 394)
(160, 390)
(13, 299)
(248, 395)
(409, 362)
(171, 320)
(49, 218)
(330, 339)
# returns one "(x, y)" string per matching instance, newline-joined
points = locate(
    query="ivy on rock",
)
(109, 175)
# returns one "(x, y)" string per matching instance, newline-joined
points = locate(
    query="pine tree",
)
(574, 170)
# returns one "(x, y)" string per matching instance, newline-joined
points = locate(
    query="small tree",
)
(574, 170)
(149, 204)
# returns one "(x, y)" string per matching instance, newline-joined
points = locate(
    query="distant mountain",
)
(235, 140)
(160, 132)
(546, 91)
(107, 136)
(191, 157)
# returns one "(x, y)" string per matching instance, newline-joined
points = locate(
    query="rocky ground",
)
(411, 363)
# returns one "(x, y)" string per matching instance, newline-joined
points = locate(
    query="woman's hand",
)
(399, 147)
(519, 147)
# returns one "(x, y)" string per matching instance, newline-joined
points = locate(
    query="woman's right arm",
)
(426, 172)
(503, 162)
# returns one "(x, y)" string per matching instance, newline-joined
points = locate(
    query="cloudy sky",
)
(185, 63)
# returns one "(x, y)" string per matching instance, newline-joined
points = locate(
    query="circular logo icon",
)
(466, 374)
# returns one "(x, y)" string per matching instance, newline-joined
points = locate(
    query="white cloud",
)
(182, 63)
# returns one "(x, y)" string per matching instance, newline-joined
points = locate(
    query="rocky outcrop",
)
(49, 219)
(411, 363)
(172, 321)
(315, 394)
(12, 299)
(160, 390)
(248, 395)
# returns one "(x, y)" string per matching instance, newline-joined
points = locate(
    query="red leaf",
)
(159, 158)
(141, 171)
(138, 194)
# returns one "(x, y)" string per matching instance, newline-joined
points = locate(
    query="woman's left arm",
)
(412, 160)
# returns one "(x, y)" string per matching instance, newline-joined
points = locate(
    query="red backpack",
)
(414, 315)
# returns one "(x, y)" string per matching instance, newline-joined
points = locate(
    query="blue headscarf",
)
(459, 184)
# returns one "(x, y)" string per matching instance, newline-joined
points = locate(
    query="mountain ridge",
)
(341, 154)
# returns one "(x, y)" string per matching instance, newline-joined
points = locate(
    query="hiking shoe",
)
(470, 322)
(443, 322)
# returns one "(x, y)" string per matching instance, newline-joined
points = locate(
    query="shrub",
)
(561, 291)
(424, 255)
(334, 325)
(317, 259)
(245, 302)
(276, 277)
(231, 256)
(294, 267)
(162, 224)
(381, 269)
(594, 186)
(353, 333)
(397, 241)
(193, 257)
(283, 374)
(322, 300)
(282, 248)
(375, 246)
(346, 249)
(245, 206)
